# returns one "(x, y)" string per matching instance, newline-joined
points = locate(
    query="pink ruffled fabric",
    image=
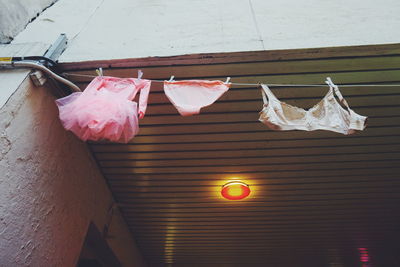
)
(105, 109)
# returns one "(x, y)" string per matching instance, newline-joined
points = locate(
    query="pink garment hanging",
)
(105, 110)
(190, 96)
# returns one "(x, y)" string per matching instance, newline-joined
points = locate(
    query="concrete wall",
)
(15, 15)
(50, 187)
(110, 29)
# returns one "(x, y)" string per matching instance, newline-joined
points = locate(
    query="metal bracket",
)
(53, 53)
(38, 78)
(57, 48)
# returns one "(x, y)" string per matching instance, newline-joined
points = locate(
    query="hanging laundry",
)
(190, 96)
(105, 110)
(328, 114)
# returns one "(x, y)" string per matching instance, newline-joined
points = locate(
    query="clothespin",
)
(227, 79)
(140, 74)
(172, 78)
(99, 72)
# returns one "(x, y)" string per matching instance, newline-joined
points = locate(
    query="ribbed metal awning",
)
(317, 197)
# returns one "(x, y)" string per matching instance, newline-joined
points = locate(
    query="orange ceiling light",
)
(235, 190)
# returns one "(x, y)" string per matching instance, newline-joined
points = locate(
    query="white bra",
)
(328, 114)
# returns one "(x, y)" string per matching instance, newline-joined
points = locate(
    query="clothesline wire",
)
(255, 84)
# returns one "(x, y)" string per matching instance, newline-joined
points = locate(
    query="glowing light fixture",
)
(235, 190)
(364, 256)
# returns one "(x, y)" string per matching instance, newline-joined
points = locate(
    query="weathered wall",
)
(50, 188)
(15, 14)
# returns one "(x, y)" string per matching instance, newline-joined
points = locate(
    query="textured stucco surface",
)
(10, 81)
(50, 188)
(15, 15)
(110, 29)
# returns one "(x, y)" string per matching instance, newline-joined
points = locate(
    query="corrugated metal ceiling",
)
(317, 197)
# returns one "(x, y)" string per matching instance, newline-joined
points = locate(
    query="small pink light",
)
(364, 257)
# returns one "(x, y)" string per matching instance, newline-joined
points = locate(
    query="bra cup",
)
(334, 115)
(290, 115)
(269, 117)
(344, 116)
(317, 115)
(277, 111)
(347, 117)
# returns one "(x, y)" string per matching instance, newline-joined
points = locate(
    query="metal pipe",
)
(38, 66)
(48, 62)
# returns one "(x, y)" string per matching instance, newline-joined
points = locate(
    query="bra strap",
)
(266, 93)
(340, 97)
(264, 96)
(337, 92)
